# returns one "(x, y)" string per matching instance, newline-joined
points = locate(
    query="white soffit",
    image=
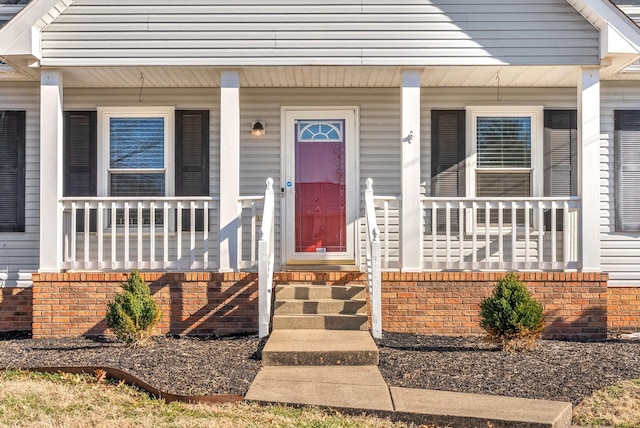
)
(321, 77)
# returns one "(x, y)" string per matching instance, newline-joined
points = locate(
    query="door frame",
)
(351, 115)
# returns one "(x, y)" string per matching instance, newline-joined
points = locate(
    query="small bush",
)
(511, 316)
(134, 313)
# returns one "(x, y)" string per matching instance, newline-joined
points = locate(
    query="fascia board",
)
(618, 33)
(21, 35)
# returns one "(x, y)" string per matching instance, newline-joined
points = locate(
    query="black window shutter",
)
(80, 153)
(560, 158)
(192, 159)
(12, 171)
(80, 159)
(447, 155)
(627, 170)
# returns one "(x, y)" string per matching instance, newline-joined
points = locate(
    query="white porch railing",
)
(106, 234)
(487, 233)
(265, 261)
(374, 268)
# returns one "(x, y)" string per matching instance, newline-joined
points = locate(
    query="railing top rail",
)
(387, 198)
(138, 198)
(251, 198)
(503, 199)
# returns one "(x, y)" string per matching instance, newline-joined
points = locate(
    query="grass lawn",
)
(64, 400)
(29, 399)
(614, 406)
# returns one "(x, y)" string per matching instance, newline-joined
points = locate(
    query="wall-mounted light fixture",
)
(258, 128)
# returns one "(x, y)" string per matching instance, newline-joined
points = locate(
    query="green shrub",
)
(511, 316)
(134, 313)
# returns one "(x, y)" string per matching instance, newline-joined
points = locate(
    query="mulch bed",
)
(555, 370)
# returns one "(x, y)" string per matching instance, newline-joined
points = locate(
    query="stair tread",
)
(321, 300)
(320, 315)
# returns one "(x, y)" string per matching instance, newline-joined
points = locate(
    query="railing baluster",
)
(152, 235)
(179, 233)
(192, 233)
(253, 233)
(87, 226)
(139, 219)
(527, 234)
(540, 212)
(500, 235)
(566, 244)
(434, 235)
(554, 242)
(113, 235)
(386, 235)
(447, 211)
(127, 249)
(74, 235)
(474, 235)
(514, 235)
(461, 232)
(165, 234)
(205, 235)
(100, 228)
(487, 234)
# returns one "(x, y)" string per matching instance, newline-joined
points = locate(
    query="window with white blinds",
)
(503, 150)
(136, 155)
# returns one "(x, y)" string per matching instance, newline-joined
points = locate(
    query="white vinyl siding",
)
(323, 32)
(22, 248)
(620, 250)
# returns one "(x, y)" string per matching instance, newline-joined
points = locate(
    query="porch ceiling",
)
(520, 76)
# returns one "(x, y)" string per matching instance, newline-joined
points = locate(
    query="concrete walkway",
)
(308, 367)
(363, 388)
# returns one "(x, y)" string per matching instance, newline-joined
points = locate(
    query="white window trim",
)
(537, 143)
(105, 113)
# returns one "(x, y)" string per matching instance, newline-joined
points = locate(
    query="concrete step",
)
(333, 306)
(320, 321)
(361, 387)
(319, 292)
(319, 348)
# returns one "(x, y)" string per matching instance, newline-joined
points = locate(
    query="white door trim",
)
(352, 180)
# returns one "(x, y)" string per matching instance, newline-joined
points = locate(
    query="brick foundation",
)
(440, 303)
(74, 304)
(16, 307)
(623, 309)
(447, 303)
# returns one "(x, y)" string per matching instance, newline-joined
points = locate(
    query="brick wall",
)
(73, 304)
(15, 309)
(623, 309)
(442, 303)
(447, 303)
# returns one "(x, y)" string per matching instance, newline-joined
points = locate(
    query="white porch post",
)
(229, 236)
(51, 127)
(410, 218)
(589, 165)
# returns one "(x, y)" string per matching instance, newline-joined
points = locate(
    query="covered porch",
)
(419, 228)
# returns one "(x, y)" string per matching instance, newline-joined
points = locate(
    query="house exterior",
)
(497, 136)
